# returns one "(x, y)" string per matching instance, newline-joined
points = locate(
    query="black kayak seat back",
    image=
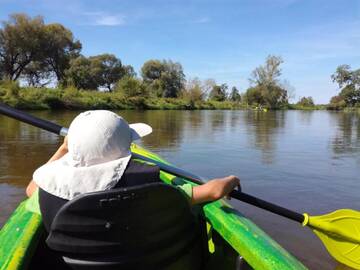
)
(150, 226)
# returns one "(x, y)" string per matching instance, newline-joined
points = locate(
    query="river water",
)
(308, 161)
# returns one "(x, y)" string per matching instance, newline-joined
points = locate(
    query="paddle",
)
(339, 230)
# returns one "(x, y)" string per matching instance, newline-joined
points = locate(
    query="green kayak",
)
(234, 242)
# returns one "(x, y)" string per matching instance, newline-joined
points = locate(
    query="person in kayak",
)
(96, 156)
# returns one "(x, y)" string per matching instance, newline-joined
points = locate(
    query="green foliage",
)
(267, 90)
(96, 71)
(270, 96)
(72, 98)
(163, 78)
(337, 103)
(306, 102)
(269, 73)
(193, 91)
(20, 44)
(58, 47)
(218, 92)
(349, 82)
(129, 71)
(151, 70)
(130, 87)
(107, 69)
(34, 50)
(254, 96)
(235, 95)
(351, 95)
(81, 74)
(9, 89)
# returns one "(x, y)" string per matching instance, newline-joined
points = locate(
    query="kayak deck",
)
(230, 235)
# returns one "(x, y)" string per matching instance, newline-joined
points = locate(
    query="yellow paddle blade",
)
(340, 233)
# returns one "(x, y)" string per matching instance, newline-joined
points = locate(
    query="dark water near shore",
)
(306, 161)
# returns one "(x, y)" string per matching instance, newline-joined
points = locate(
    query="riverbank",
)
(73, 99)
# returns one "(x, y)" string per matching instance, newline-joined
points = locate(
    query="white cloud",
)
(104, 19)
(110, 20)
(202, 20)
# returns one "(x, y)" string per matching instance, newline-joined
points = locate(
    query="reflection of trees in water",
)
(208, 123)
(305, 117)
(347, 136)
(216, 120)
(167, 127)
(264, 127)
(234, 118)
(22, 149)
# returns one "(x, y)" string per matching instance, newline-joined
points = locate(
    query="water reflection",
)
(19, 148)
(263, 129)
(167, 127)
(347, 135)
(287, 157)
(306, 117)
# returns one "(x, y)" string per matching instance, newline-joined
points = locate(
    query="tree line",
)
(39, 54)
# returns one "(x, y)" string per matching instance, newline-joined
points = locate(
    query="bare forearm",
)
(214, 189)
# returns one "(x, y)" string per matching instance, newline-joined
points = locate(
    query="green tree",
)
(107, 69)
(20, 44)
(254, 96)
(129, 71)
(81, 74)
(266, 88)
(173, 79)
(59, 47)
(151, 70)
(337, 103)
(306, 102)
(130, 87)
(269, 73)
(193, 90)
(235, 95)
(349, 83)
(218, 92)
(163, 78)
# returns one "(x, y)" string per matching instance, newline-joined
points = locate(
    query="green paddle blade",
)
(340, 233)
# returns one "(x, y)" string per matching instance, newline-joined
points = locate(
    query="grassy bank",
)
(71, 98)
(74, 99)
(306, 108)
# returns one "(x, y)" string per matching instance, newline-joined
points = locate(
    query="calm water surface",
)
(306, 161)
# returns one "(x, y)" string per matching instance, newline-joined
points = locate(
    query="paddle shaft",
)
(32, 120)
(54, 128)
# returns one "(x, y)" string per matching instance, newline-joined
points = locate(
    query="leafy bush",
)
(130, 87)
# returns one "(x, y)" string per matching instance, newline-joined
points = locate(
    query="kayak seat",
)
(149, 226)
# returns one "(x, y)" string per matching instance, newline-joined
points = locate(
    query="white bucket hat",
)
(99, 151)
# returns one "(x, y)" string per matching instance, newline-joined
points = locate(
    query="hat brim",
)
(139, 130)
(63, 180)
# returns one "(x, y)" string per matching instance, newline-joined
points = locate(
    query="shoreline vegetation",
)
(70, 98)
(41, 67)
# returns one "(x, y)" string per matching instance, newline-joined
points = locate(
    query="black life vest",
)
(136, 173)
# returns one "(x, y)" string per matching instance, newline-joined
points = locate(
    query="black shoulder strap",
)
(139, 173)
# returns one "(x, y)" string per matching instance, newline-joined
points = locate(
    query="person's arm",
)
(62, 150)
(214, 189)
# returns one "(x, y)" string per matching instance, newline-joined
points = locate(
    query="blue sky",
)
(220, 39)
